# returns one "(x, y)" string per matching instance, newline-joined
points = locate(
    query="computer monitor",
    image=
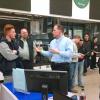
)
(55, 80)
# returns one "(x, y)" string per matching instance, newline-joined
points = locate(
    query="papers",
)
(69, 95)
(50, 98)
(19, 80)
(43, 67)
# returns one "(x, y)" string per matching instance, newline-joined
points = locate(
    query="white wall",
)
(40, 7)
(35, 27)
(80, 13)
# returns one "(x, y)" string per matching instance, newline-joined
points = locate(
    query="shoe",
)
(84, 74)
(81, 86)
(74, 90)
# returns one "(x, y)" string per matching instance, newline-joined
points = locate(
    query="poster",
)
(78, 32)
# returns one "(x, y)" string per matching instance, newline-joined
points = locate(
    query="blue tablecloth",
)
(23, 96)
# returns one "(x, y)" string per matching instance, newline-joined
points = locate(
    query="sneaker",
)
(84, 74)
(74, 90)
(81, 86)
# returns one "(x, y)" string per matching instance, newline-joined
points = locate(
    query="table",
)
(11, 94)
(23, 96)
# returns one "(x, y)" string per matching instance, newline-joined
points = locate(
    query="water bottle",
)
(44, 92)
(1, 77)
(82, 95)
(99, 92)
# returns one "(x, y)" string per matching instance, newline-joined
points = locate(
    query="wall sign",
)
(81, 3)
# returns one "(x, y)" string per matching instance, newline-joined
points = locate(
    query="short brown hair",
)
(8, 27)
(77, 37)
(60, 27)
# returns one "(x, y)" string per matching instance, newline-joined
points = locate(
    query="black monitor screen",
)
(24, 5)
(94, 9)
(55, 80)
(61, 7)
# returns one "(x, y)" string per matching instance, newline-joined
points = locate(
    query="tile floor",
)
(92, 85)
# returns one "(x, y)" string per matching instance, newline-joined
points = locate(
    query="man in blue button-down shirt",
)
(60, 50)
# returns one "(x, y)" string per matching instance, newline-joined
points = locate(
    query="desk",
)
(23, 96)
(12, 94)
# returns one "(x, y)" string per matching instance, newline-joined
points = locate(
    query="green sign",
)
(81, 3)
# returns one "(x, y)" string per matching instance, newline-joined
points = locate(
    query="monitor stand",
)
(44, 92)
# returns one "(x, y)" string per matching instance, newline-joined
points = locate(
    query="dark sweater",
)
(87, 47)
(81, 49)
(6, 64)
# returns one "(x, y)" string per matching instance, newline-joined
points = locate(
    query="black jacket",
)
(87, 47)
(81, 49)
(5, 64)
(30, 45)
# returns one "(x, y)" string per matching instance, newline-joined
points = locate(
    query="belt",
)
(60, 63)
(26, 60)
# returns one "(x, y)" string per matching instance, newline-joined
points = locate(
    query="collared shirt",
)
(25, 50)
(65, 46)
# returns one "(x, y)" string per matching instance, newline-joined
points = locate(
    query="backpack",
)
(1, 58)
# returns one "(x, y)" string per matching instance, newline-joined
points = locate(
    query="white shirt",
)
(25, 51)
(75, 53)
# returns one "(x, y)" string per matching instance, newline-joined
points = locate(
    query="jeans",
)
(86, 64)
(79, 73)
(73, 73)
(93, 62)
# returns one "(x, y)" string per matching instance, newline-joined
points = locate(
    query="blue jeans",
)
(86, 64)
(79, 73)
(72, 70)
